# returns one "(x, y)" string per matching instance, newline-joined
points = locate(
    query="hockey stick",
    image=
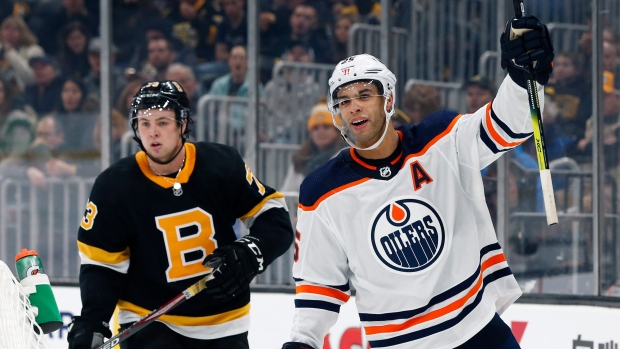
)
(173, 303)
(539, 139)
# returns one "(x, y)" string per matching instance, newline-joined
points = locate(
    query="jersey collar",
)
(188, 168)
(379, 168)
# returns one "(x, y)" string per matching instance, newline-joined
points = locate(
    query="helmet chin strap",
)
(346, 138)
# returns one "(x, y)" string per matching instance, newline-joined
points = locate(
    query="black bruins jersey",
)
(140, 245)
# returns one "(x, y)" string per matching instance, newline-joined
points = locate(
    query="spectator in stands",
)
(303, 23)
(522, 192)
(16, 126)
(273, 19)
(337, 6)
(420, 101)
(368, 11)
(323, 143)
(235, 84)
(610, 57)
(195, 26)
(17, 46)
(77, 115)
(118, 125)
(131, 17)
(123, 103)
(340, 38)
(73, 52)
(479, 91)
(49, 138)
(400, 118)
(233, 29)
(611, 130)
(584, 51)
(161, 55)
(158, 29)
(572, 97)
(289, 97)
(184, 75)
(47, 21)
(92, 81)
(44, 94)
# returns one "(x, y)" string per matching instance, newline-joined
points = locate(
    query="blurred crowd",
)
(50, 66)
(50, 72)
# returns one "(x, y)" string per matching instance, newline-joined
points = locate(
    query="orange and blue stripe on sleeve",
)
(322, 297)
(496, 135)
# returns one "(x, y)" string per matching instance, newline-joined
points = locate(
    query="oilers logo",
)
(407, 235)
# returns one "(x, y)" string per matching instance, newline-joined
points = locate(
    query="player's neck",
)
(385, 149)
(170, 168)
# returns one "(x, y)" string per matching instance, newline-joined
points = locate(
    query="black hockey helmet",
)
(162, 94)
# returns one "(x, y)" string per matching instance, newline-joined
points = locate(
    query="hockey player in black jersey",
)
(151, 221)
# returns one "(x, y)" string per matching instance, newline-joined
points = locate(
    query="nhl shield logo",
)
(407, 235)
(385, 171)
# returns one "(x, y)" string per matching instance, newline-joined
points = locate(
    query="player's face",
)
(160, 133)
(361, 108)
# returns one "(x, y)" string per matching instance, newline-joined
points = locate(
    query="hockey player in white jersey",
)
(401, 215)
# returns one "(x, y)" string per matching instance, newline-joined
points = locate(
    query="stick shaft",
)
(152, 316)
(539, 139)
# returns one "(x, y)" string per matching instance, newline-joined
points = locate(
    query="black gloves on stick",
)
(242, 261)
(86, 334)
(532, 48)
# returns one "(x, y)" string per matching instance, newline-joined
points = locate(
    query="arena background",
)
(569, 273)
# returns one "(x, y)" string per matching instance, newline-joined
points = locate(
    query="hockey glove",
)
(296, 345)
(526, 42)
(242, 260)
(87, 334)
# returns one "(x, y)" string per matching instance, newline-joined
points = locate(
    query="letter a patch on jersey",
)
(419, 176)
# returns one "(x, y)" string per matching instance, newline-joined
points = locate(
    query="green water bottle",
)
(33, 279)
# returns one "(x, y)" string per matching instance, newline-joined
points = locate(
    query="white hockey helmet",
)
(361, 67)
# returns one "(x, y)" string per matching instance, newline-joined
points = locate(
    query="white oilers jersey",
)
(411, 233)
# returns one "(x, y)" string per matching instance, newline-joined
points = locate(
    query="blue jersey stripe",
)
(305, 303)
(489, 142)
(409, 337)
(507, 129)
(343, 288)
(407, 314)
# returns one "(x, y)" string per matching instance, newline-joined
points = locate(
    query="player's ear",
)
(390, 101)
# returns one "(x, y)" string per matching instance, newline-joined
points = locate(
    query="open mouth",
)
(359, 122)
